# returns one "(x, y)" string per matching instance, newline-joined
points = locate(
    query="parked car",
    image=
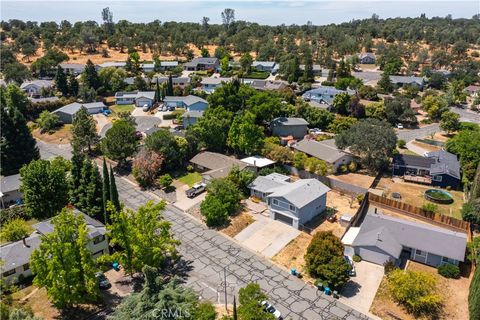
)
(106, 112)
(399, 126)
(352, 271)
(267, 307)
(196, 190)
(315, 131)
(146, 108)
(103, 282)
(171, 108)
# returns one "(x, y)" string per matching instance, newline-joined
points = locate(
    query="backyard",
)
(62, 135)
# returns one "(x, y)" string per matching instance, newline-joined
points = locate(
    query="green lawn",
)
(191, 178)
(116, 109)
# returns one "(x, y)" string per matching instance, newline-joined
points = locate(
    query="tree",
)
(474, 295)
(169, 86)
(246, 62)
(435, 106)
(16, 72)
(324, 259)
(299, 160)
(21, 314)
(44, 187)
(48, 121)
(61, 81)
(375, 110)
(84, 131)
(340, 124)
(133, 66)
(450, 122)
(213, 127)
(475, 187)
(398, 110)
(90, 76)
(105, 189)
(15, 230)
(372, 140)
(456, 94)
(165, 180)
(146, 167)
(415, 290)
(120, 141)
(228, 17)
(214, 211)
(471, 211)
(90, 190)
(385, 84)
(250, 308)
(75, 176)
(113, 191)
(72, 85)
(244, 136)
(466, 145)
(63, 264)
(227, 192)
(17, 146)
(242, 179)
(112, 79)
(163, 142)
(340, 103)
(144, 237)
(107, 17)
(316, 118)
(17, 99)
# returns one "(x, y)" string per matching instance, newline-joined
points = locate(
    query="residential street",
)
(408, 135)
(207, 253)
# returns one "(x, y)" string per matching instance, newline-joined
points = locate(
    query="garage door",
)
(283, 218)
(372, 256)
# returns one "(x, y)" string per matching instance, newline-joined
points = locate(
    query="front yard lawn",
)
(117, 109)
(191, 178)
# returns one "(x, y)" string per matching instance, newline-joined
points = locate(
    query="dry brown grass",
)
(62, 136)
(292, 255)
(426, 146)
(359, 179)
(342, 203)
(237, 224)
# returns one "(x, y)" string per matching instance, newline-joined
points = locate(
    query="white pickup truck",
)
(195, 190)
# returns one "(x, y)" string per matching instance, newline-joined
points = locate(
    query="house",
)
(73, 68)
(316, 69)
(191, 117)
(257, 163)
(209, 84)
(16, 255)
(181, 82)
(402, 81)
(294, 203)
(263, 65)
(369, 78)
(367, 58)
(147, 67)
(215, 165)
(168, 65)
(139, 98)
(10, 190)
(264, 85)
(276, 68)
(437, 168)
(35, 87)
(295, 127)
(325, 150)
(324, 94)
(383, 238)
(190, 102)
(473, 91)
(112, 64)
(198, 64)
(67, 113)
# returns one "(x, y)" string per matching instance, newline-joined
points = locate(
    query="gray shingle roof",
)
(266, 64)
(10, 183)
(283, 121)
(116, 64)
(196, 61)
(266, 183)
(301, 192)
(408, 160)
(214, 161)
(73, 108)
(322, 150)
(380, 238)
(38, 83)
(324, 93)
(210, 80)
(407, 80)
(438, 162)
(188, 100)
(268, 84)
(136, 94)
(436, 240)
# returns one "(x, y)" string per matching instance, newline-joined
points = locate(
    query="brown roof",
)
(216, 161)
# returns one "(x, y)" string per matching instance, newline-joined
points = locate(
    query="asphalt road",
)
(209, 256)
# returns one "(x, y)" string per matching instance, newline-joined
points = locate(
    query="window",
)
(292, 208)
(420, 252)
(26, 267)
(275, 202)
(448, 260)
(437, 178)
(98, 239)
(9, 273)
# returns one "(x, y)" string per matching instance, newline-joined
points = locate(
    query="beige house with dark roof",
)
(215, 165)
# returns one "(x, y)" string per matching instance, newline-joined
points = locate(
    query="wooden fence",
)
(419, 213)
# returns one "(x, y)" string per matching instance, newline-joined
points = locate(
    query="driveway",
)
(267, 236)
(360, 291)
(183, 202)
(102, 121)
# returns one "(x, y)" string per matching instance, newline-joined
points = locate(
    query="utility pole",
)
(225, 285)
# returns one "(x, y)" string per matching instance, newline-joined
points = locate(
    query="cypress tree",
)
(474, 295)
(105, 189)
(170, 86)
(75, 176)
(158, 93)
(91, 76)
(72, 85)
(17, 146)
(114, 191)
(475, 193)
(61, 81)
(90, 190)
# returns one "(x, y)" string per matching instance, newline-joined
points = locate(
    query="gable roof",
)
(325, 93)
(116, 64)
(380, 238)
(366, 55)
(9, 183)
(74, 66)
(301, 192)
(436, 240)
(266, 183)
(201, 60)
(283, 121)
(193, 114)
(266, 64)
(325, 150)
(210, 80)
(37, 83)
(407, 80)
(408, 160)
(136, 94)
(73, 108)
(438, 162)
(188, 100)
(268, 84)
(214, 160)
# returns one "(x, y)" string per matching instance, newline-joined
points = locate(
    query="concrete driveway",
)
(360, 291)
(267, 236)
(183, 202)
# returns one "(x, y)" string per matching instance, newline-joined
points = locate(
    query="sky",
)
(274, 12)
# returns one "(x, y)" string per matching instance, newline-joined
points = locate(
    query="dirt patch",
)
(292, 256)
(342, 203)
(426, 146)
(357, 179)
(441, 136)
(61, 136)
(237, 223)
(414, 194)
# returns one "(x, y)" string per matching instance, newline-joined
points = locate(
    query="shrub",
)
(388, 267)
(15, 230)
(146, 166)
(416, 291)
(401, 143)
(17, 212)
(360, 198)
(449, 270)
(174, 115)
(214, 211)
(48, 121)
(190, 168)
(356, 258)
(430, 207)
(343, 168)
(353, 166)
(165, 180)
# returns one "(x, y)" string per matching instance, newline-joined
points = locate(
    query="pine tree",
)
(91, 201)
(17, 146)
(91, 76)
(114, 191)
(105, 189)
(61, 81)
(72, 85)
(84, 131)
(170, 86)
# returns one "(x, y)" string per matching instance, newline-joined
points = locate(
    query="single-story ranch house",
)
(16, 255)
(263, 65)
(190, 102)
(10, 190)
(324, 94)
(139, 98)
(215, 165)
(325, 150)
(437, 168)
(191, 117)
(209, 84)
(73, 68)
(294, 203)
(35, 87)
(198, 64)
(67, 113)
(381, 238)
(367, 58)
(284, 127)
(401, 81)
(265, 85)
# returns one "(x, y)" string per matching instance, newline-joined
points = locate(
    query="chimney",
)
(25, 242)
(378, 236)
(254, 163)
